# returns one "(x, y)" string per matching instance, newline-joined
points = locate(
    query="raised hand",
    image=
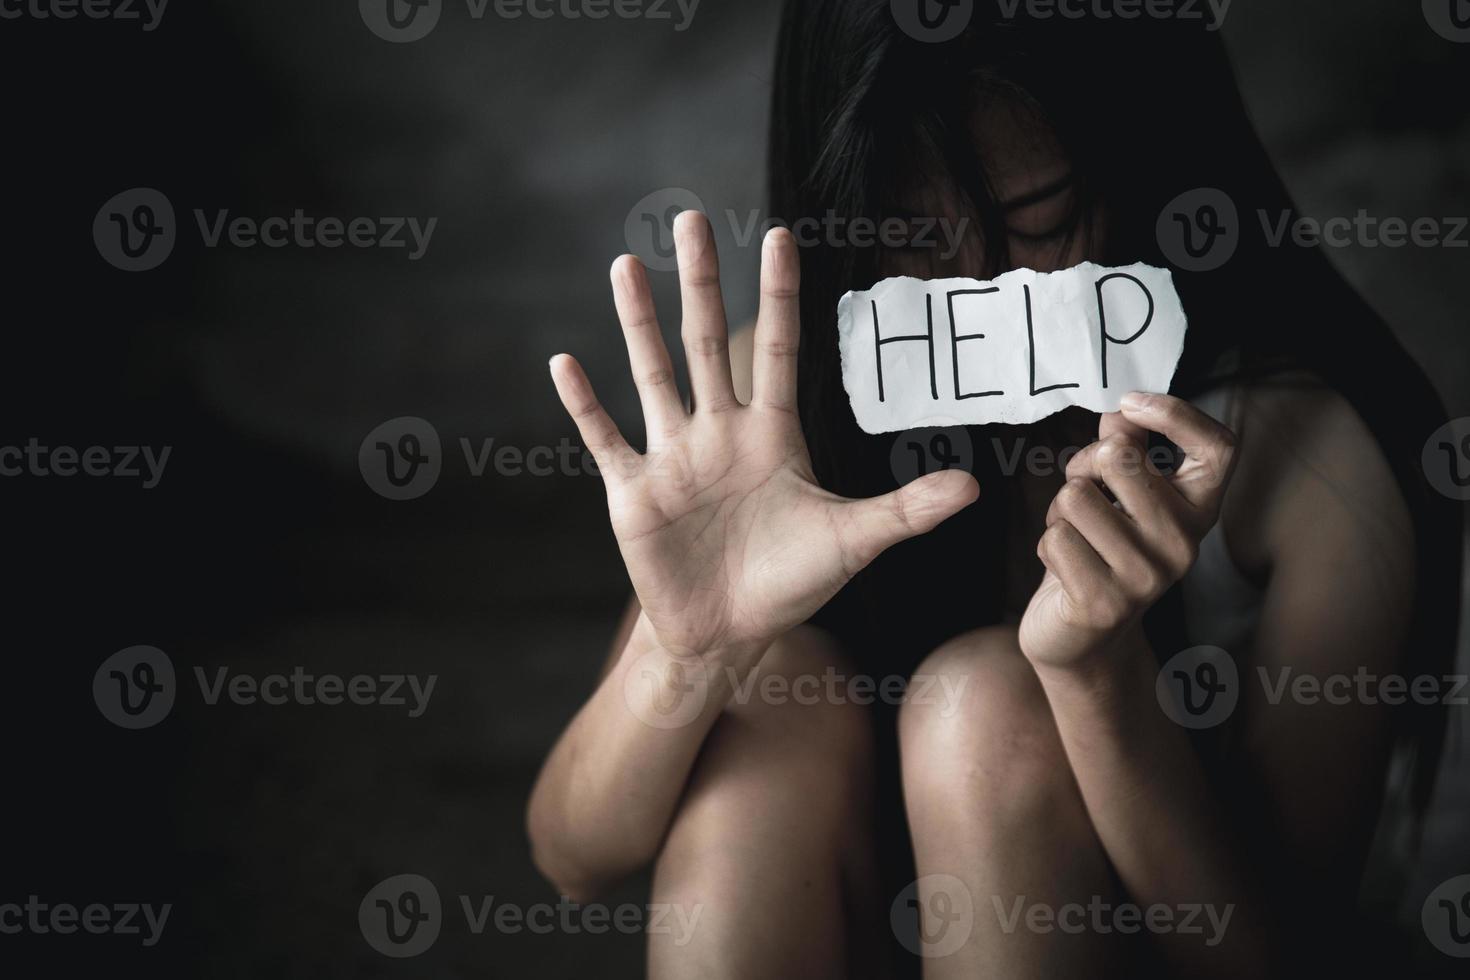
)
(727, 537)
(1107, 563)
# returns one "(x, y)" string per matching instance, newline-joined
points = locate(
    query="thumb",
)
(877, 524)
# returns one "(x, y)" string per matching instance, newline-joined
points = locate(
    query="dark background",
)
(263, 549)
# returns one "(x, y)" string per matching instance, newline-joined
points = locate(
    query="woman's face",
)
(1031, 180)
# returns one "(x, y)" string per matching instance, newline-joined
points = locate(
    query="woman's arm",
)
(728, 541)
(608, 790)
(1326, 517)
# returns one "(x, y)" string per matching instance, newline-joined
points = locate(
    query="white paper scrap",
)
(941, 352)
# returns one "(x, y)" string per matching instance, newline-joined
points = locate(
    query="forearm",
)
(608, 791)
(1156, 816)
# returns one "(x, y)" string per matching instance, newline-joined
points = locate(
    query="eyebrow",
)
(1038, 195)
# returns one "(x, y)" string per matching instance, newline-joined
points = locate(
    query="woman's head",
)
(1034, 143)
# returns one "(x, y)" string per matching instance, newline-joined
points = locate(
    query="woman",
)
(1296, 532)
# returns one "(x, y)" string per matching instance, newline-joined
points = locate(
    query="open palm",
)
(727, 537)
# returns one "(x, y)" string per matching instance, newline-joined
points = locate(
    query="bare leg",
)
(773, 840)
(992, 802)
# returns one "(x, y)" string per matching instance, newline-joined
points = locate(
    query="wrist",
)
(1108, 688)
(718, 664)
(738, 655)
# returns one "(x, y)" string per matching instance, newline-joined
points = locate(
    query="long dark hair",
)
(1145, 111)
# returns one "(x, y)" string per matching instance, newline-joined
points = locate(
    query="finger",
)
(706, 336)
(1208, 446)
(1080, 569)
(653, 372)
(1118, 463)
(869, 527)
(1112, 535)
(599, 432)
(778, 326)
(1115, 424)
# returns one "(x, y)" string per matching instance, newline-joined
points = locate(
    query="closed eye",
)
(1045, 214)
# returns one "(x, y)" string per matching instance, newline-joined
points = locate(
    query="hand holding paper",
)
(1016, 349)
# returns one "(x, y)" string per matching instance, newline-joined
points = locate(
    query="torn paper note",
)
(940, 352)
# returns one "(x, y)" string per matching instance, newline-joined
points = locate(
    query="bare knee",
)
(985, 727)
